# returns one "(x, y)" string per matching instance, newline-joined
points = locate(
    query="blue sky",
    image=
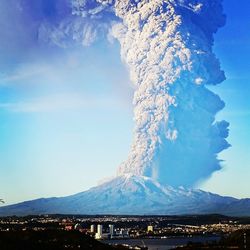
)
(66, 114)
(232, 45)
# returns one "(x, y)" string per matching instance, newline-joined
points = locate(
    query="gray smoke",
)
(167, 45)
(168, 48)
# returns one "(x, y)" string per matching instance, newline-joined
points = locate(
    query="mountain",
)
(130, 194)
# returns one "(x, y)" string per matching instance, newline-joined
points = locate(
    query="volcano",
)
(133, 195)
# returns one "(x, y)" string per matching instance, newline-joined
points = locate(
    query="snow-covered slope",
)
(129, 194)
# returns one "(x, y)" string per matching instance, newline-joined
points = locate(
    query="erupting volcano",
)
(167, 47)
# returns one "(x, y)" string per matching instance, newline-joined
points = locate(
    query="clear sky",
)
(66, 114)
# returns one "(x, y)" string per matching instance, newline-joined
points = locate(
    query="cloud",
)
(58, 103)
(23, 73)
(167, 46)
(31, 28)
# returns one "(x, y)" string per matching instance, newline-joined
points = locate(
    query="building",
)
(92, 228)
(68, 227)
(150, 229)
(124, 233)
(78, 227)
(111, 230)
(98, 235)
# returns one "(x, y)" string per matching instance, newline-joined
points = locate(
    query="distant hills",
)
(133, 195)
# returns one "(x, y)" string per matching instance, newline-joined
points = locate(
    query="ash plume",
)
(167, 46)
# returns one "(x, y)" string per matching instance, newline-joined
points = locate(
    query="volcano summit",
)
(133, 195)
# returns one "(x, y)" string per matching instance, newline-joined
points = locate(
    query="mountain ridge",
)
(133, 195)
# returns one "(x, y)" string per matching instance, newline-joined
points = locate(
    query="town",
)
(115, 230)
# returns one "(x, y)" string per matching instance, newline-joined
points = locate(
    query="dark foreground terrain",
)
(58, 232)
(50, 240)
(59, 240)
(237, 240)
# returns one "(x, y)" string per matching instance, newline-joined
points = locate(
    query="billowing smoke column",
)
(168, 48)
(167, 45)
(86, 22)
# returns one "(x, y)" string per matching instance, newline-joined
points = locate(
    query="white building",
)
(111, 230)
(124, 233)
(98, 235)
(78, 227)
(150, 229)
(92, 228)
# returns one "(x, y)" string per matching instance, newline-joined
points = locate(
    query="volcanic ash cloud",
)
(168, 48)
(167, 45)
